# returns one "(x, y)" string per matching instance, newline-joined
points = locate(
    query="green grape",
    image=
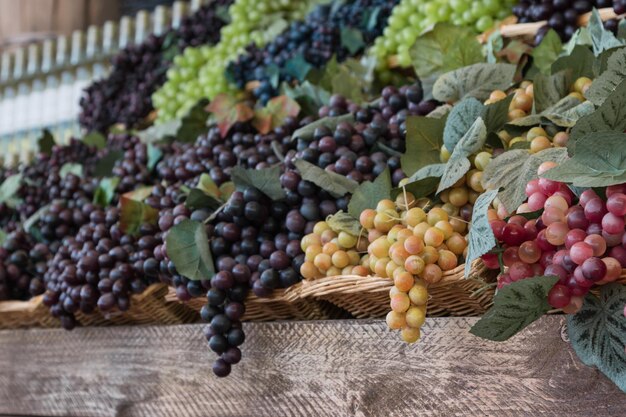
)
(200, 72)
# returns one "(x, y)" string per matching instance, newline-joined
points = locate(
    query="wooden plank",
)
(99, 11)
(327, 368)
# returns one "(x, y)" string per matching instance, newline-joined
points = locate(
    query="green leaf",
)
(494, 44)
(198, 199)
(579, 61)
(95, 139)
(520, 145)
(370, 18)
(222, 13)
(424, 138)
(3, 237)
(104, 166)
(496, 114)
(477, 80)
(423, 183)
(547, 51)
(106, 191)
(10, 187)
(186, 129)
(188, 247)
(368, 194)
(621, 30)
(34, 218)
(134, 213)
(46, 142)
(266, 180)
(601, 39)
(459, 164)
(306, 132)
(513, 169)
(445, 48)
(598, 332)
(549, 89)
(309, 96)
(154, 156)
(580, 38)
(570, 116)
(352, 39)
(611, 115)
(481, 239)
(598, 161)
(71, 168)
(515, 306)
(609, 80)
(337, 185)
(297, 67)
(343, 222)
(460, 119)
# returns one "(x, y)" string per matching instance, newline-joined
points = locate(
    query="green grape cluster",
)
(411, 18)
(200, 72)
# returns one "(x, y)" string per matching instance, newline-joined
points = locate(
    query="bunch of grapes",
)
(138, 70)
(414, 246)
(316, 39)
(200, 72)
(561, 15)
(582, 244)
(411, 18)
(22, 265)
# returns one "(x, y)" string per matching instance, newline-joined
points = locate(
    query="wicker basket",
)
(282, 305)
(150, 307)
(368, 297)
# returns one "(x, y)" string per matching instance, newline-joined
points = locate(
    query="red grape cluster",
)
(582, 243)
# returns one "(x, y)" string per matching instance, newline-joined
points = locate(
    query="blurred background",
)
(25, 21)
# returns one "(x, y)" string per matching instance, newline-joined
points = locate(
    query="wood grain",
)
(326, 368)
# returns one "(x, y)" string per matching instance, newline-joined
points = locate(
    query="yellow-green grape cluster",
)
(414, 246)
(200, 72)
(328, 253)
(411, 18)
(521, 106)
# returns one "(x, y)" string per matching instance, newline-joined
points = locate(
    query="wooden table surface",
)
(326, 368)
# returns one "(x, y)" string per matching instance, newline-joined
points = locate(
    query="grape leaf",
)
(423, 183)
(34, 218)
(477, 80)
(515, 306)
(206, 195)
(601, 39)
(306, 132)
(444, 48)
(272, 72)
(274, 114)
(106, 191)
(609, 80)
(598, 161)
(513, 169)
(154, 156)
(568, 111)
(227, 111)
(188, 247)
(597, 332)
(297, 67)
(337, 185)
(547, 51)
(104, 166)
(352, 39)
(459, 164)
(134, 213)
(370, 18)
(481, 239)
(611, 115)
(46, 142)
(10, 187)
(580, 38)
(424, 138)
(494, 44)
(3, 237)
(71, 168)
(139, 193)
(266, 180)
(343, 222)
(549, 89)
(368, 194)
(95, 139)
(621, 30)
(309, 96)
(441, 111)
(460, 119)
(579, 61)
(496, 114)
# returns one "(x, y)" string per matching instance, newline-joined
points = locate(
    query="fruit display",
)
(498, 155)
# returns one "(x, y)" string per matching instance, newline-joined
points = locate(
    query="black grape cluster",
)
(316, 39)
(100, 267)
(138, 70)
(22, 265)
(562, 15)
